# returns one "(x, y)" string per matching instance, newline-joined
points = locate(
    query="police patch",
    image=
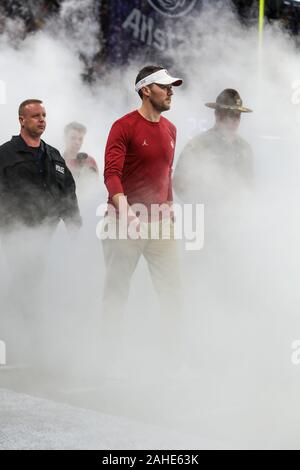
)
(173, 8)
(60, 169)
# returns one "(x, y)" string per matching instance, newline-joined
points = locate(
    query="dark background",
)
(150, 34)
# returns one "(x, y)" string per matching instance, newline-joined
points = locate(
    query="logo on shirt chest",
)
(60, 169)
(145, 143)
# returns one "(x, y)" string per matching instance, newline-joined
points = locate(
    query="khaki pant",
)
(121, 259)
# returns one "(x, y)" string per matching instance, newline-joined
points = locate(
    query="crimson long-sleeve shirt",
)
(138, 159)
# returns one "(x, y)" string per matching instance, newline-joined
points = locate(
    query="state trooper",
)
(217, 162)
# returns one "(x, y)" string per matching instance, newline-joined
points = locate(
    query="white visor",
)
(162, 77)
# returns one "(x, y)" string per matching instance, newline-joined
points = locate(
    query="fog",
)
(241, 292)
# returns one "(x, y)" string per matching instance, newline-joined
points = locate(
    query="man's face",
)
(73, 141)
(33, 119)
(229, 121)
(160, 96)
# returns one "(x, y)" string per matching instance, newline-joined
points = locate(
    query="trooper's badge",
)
(173, 8)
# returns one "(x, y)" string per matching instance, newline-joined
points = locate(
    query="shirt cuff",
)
(114, 185)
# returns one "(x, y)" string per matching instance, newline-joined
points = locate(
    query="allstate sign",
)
(173, 8)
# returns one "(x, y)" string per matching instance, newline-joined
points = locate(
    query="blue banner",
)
(145, 29)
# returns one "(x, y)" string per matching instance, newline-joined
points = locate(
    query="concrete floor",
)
(40, 411)
(29, 422)
(44, 411)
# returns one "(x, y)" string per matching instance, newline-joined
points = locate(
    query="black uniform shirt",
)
(36, 186)
(40, 156)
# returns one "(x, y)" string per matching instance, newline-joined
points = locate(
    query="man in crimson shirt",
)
(138, 167)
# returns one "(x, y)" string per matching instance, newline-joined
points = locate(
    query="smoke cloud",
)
(241, 291)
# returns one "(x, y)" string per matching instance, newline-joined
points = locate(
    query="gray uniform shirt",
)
(213, 167)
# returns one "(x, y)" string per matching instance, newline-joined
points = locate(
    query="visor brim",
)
(169, 81)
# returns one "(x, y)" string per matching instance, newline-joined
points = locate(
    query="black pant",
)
(24, 256)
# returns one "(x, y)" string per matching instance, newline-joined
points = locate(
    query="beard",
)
(160, 106)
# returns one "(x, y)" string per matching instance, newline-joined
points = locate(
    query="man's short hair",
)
(26, 103)
(75, 126)
(148, 70)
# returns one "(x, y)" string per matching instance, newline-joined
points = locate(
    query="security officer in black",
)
(36, 187)
(37, 191)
